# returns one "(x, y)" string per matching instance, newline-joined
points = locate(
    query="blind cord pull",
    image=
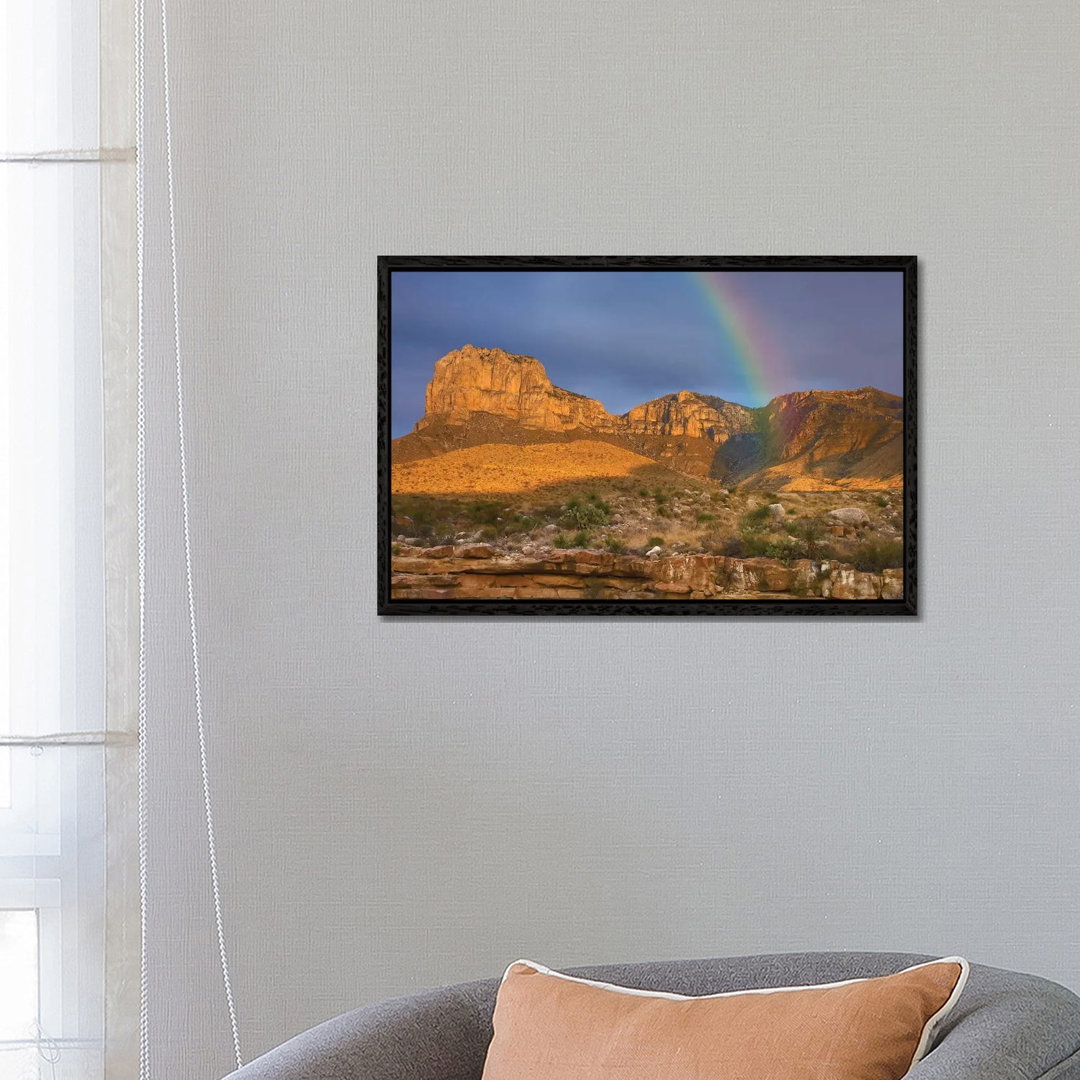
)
(140, 199)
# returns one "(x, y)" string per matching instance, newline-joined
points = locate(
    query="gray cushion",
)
(1006, 1026)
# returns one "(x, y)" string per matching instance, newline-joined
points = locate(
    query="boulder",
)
(852, 516)
(775, 512)
(475, 551)
(443, 551)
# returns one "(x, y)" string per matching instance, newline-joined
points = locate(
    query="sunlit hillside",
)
(502, 468)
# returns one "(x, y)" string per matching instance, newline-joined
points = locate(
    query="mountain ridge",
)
(829, 438)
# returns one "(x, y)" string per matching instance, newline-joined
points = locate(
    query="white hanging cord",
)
(140, 454)
(207, 803)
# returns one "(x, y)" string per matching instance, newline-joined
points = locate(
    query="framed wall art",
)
(647, 436)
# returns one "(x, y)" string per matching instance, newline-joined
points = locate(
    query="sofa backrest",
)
(1006, 1026)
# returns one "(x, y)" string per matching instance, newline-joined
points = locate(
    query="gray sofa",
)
(1005, 1026)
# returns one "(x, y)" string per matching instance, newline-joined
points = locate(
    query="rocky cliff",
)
(699, 416)
(811, 439)
(480, 572)
(471, 380)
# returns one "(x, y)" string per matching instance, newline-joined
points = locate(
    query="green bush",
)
(809, 529)
(654, 541)
(883, 500)
(423, 523)
(703, 517)
(584, 516)
(752, 545)
(757, 516)
(484, 513)
(580, 539)
(560, 541)
(874, 556)
(614, 544)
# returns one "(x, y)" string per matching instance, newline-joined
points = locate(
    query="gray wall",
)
(402, 804)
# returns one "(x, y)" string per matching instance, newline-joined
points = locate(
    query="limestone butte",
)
(814, 439)
(471, 380)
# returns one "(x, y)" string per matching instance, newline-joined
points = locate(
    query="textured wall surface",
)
(401, 804)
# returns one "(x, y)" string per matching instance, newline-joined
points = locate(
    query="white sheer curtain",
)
(53, 884)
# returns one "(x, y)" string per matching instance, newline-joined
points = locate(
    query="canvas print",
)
(647, 436)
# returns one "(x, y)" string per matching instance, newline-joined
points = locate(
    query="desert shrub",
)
(584, 516)
(663, 511)
(757, 516)
(713, 541)
(484, 513)
(877, 555)
(614, 544)
(703, 517)
(733, 547)
(660, 497)
(882, 500)
(424, 524)
(580, 539)
(395, 549)
(654, 541)
(718, 496)
(643, 493)
(489, 532)
(809, 529)
(753, 545)
(812, 532)
(524, 523)
(560, 541)
(597, 501)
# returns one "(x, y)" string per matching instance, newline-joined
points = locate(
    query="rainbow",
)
(744, 337)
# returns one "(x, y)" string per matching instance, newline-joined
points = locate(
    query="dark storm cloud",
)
(624, 338)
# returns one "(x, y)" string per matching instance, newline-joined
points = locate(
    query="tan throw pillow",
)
(550, 1026)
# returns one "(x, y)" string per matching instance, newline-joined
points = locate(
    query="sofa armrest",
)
(437, 1035)
(1007, 1026)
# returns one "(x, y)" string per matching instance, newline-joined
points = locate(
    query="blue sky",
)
(625, 337)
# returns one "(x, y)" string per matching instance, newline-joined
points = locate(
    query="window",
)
(52, 853)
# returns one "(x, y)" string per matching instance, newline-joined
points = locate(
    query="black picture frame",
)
(903, 606)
